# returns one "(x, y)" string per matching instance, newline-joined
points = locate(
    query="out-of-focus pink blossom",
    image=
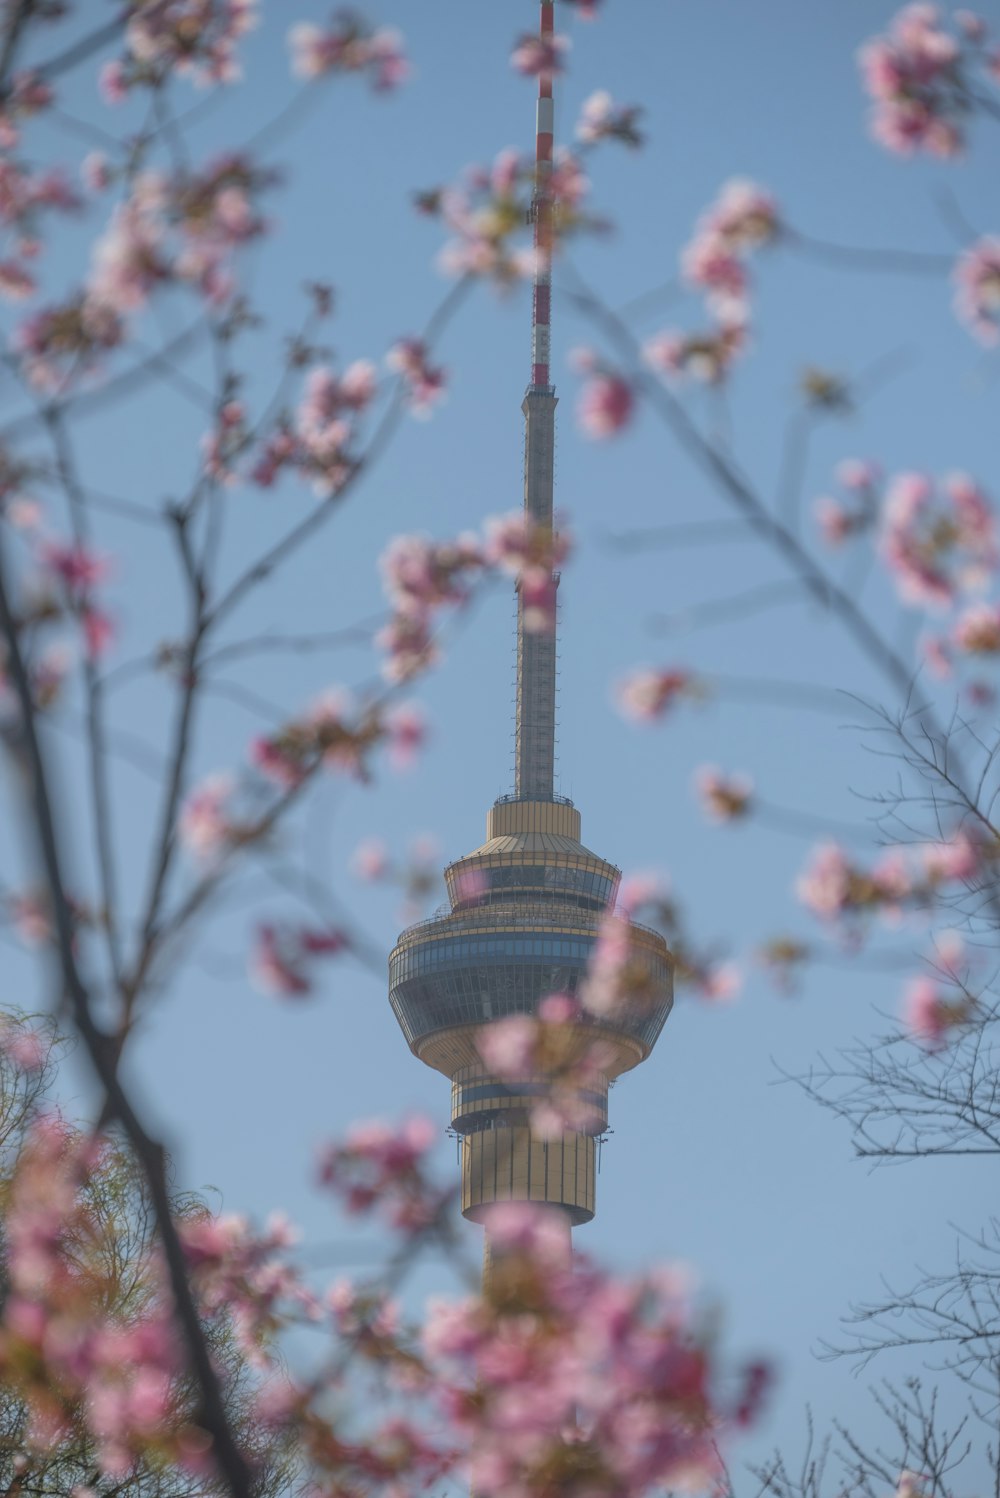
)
(977, 630)
(371, 859)
(425, 382)
(28, 1048)
(532, 553)
(708, 356)
(937, 540)
(535, 55)
(937, 653)
(725, 798)
(607, 400)
(977, 289)
(833, 887)
(742, 219)
(931, 1012)
(196, 38)
(602, 119)
(407, 731)
(648, 694)
(347, 45)
(379, 1165)
(282, 957)
(914, 75)
(206, 825)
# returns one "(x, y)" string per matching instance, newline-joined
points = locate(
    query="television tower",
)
(527, 905)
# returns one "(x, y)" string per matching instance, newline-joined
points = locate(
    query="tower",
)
(527, 905)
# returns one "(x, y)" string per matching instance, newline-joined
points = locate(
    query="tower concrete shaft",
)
(528, 906)
(535, 727)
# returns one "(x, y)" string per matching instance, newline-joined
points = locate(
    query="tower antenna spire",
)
(535, 725)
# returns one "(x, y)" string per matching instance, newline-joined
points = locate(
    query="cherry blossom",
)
(348, 45)
(707, 356)
(937, 540)
(194, 38)
(384, 1167)
(519, 545)
(425, 382)
(535, 55)
(743, 219)
(647, 694)
(335, 733)
(27, 195)
(207, 827)
(724, 798)
(914, 75)
(602, 119)
(839, 522)
(606, 1389)
(977, 289)
(550, 1046)
(607, 400)
(977, 630)
(283, 957)
(77, 571)
(59, 342)
(931, 1012)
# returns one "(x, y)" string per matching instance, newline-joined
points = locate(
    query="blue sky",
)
(752, 1185)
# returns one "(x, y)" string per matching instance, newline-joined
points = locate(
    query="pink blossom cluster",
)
(208, 826)
(743, 220)
(706, 356)
(620, 981)
(842, 520)
(180, 229)
(489, 210)
(336, 734)
(977, 288)
(417, 875)
(61, 1346)
(424, 381)
(915, 76)
(607, 399)
(27, 94)
(555, 1048)
(27, 196)
(532, 554)
(421, 577)
(934, 1011)
(75, 572)
(319, 442)
(283, 957)
(725, 798)
(836, 889)
(59, 343)
(602, 119)
(650, 693)
(539, 56)
(937, 540)
(194, 38)
(563, 1378)
(384, 1168)
(242, 1274)
(348, 45)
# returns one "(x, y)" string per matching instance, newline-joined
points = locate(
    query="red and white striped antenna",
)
(542, 215)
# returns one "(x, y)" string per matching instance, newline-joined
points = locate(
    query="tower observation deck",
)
(527, 905)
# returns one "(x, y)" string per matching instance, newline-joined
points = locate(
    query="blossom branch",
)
(103, 1054)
